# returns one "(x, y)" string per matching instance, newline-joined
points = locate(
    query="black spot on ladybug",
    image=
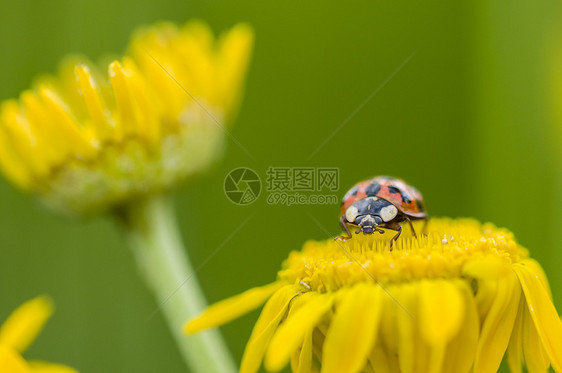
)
(393, 189)
(372, 189)
(420, 205)
(404, 196)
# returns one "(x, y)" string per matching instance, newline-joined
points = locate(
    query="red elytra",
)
(405, 197)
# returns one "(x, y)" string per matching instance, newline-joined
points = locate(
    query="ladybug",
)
(381, 202)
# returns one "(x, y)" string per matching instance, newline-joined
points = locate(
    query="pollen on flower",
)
(424, 305)
(91, 139)
(328, 266)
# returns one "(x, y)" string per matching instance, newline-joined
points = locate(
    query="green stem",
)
(153, 235)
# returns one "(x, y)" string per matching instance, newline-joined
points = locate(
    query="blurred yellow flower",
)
(19, 331)
(86, 141)
(452, 301)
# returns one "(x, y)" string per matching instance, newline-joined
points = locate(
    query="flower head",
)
(17, 333)
(454, 300)
(90, 139)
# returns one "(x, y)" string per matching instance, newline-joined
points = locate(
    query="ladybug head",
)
(368, 223)
(369, 212)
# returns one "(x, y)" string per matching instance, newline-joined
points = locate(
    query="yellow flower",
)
(17, 333)
(454, 300)
(88, 140)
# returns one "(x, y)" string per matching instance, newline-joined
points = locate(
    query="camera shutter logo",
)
(242, 186)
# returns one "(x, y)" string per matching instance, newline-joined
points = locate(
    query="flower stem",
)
(154, 237)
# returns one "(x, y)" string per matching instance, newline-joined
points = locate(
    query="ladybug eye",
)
(351, 213)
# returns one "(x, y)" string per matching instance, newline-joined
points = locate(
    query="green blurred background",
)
(470, 120)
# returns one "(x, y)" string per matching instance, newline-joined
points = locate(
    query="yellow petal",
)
(57, 134)
(200, 32)
(441, 311)
(485, 296)
(319, 336)
(196, 45)
(12, 362)
(40, 127)
(67, 84)
(101, 120)
(384, 356)
(43, 367)
(515, 347)
(413, 351)
(229, 309)
(353, 330)
(233, 60)
(65, 129)
(23, 325)
(487, 267)
(149, 49)
(119, 78)
(24, 140)
(367, 368)
(498, 325)
(302, 360)
(300, 322)
(148, 121)
(543, 313)
(381, 361)
(535, 268)
(460, 352)
(536, 358)
(273, 312)
(11, 162)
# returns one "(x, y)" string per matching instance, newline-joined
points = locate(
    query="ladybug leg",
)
(397, 234)
(425, 221)
(345, 228)
(395, 227)
(411, 226)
